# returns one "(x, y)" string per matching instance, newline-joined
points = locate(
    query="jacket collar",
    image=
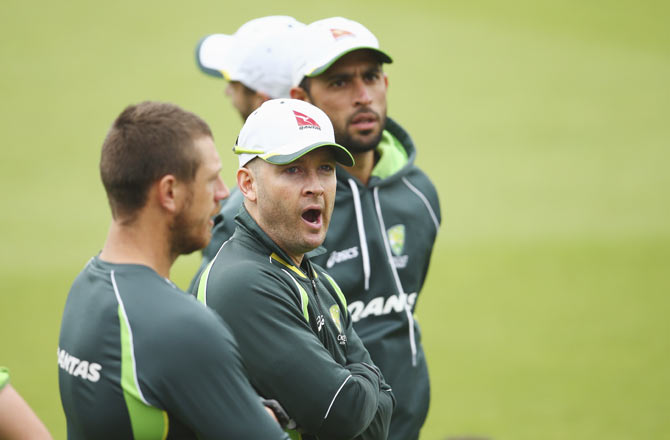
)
(403, 137)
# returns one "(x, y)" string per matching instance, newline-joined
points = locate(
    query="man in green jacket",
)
(289, 316)
(137, 357)
(387, 211)
(386, 215)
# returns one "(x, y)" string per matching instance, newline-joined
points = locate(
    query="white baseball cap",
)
(326, 41)
(259, 54)
(283, 130)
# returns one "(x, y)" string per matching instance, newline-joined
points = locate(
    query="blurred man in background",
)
(387, 211)
(137, 357)
(256, 60)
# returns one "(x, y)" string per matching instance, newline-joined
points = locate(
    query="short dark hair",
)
(146, 142)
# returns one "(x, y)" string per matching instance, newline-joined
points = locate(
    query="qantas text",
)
(381, 306)
(77, 367)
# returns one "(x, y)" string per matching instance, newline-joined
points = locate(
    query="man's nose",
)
(221, 190)
(362, 93)
(314, 185)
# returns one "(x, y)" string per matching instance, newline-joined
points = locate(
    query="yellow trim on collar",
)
(288, 265)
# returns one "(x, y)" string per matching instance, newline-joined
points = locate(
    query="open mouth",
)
(312, 216)
(363, 118)
(364, 121)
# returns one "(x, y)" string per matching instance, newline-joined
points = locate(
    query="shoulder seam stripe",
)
(338, 291)
(304, 299)
(425, 202)
(130, 336)
(202, 285)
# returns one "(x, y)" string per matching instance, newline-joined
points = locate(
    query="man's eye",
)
(292, 170)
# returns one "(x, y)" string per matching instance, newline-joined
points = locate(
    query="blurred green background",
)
(544, 125)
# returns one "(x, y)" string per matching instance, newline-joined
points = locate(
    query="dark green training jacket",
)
(379, 246)
(139, 358)
(296, 338)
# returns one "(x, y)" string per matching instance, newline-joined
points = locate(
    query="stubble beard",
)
(354, 146)
(287, 236)
(183, 238)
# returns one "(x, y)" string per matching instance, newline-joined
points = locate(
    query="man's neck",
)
(364, 164)
(139, 243)
(297, 259)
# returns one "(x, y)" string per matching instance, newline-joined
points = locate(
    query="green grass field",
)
(543, 124)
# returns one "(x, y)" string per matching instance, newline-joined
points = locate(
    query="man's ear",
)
(298, 92)
(168, 192)
(246, 182)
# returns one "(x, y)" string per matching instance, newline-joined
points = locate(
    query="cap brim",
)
(211, 54)
(383, 57)
(342, 155)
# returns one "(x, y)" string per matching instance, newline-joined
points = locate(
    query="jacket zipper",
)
(310, 274)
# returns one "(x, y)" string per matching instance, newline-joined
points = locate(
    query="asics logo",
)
(342, 256)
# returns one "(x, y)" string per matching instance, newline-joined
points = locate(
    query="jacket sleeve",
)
(206, 386)
(287, 361)
(357, 355)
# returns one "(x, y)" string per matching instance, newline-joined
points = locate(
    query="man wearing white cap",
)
(288, 315)
(255, 60)
(387, 211)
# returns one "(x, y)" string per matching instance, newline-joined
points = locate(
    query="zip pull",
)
(312, 277)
